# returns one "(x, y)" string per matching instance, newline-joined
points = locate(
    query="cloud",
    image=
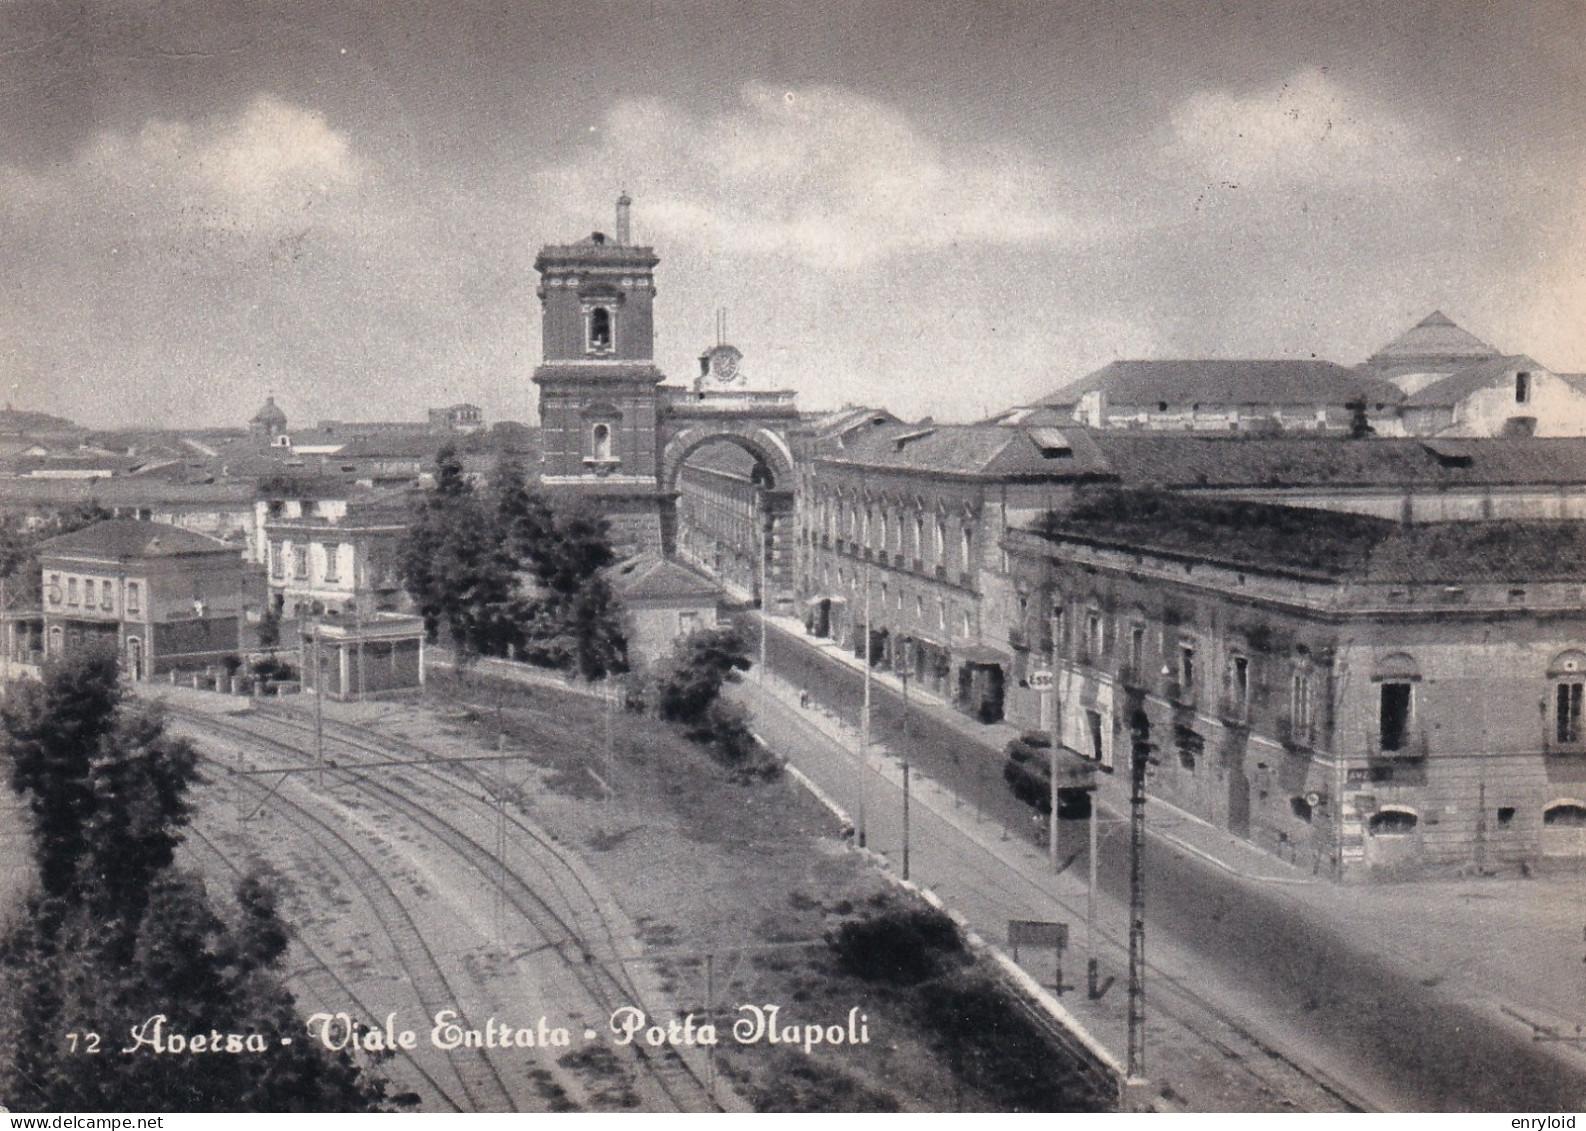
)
(823, 176)
(1308, 130)
(264, 169)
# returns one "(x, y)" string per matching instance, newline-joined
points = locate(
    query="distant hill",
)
(14, 421)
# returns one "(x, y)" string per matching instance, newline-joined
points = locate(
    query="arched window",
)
(1393, 821)
(1566, 814)
(600, 330)
(1568, 674)
(600, 441)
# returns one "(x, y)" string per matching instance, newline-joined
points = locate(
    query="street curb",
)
(1009, 969)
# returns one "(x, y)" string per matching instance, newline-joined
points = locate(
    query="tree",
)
(467, 558)
(454, 566)
(687, 690)
(115, 935)
(19, 541)
(692, 677)
(1359, 420)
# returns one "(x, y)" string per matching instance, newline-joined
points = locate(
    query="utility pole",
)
(1092, 972)
(905, 820)
(765, 573)
(903, 674)
(1139, 756)
(319, 703)
(864, 716)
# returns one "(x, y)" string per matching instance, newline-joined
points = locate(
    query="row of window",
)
(90, 593)
(299, 557)
(881, 531)
(1182, 665)
(887, 597)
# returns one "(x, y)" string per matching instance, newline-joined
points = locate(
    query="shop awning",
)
(833, 600)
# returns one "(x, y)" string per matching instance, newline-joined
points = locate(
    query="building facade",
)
(666, 601)
(163, 598)
(1363, 698)
(901, 528)
(332, 555)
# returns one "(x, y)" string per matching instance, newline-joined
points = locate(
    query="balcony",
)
(688, 403)
(1413, 748)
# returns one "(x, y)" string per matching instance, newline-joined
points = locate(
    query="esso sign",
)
(1041, 681)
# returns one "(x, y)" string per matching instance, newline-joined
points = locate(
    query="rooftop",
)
(979, 450)
(1433, 344)
(1325, 544)
(1176, 460)
(649, 576)
(119, 539)
(1228, 381)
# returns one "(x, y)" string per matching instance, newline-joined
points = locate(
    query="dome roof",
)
(270, 415)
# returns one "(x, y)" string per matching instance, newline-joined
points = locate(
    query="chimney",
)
(622, 220)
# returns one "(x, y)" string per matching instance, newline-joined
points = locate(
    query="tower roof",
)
(1433, 344)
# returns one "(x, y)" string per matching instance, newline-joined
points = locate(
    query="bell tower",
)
(598, 379)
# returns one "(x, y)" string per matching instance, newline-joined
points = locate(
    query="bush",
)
(903, 945)
(271, 668)
(998, 1050)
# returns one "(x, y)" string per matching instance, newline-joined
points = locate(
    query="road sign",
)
(1033, 932)
(1040, 680)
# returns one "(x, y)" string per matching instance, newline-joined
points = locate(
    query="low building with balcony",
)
(1365, 698)
(332, 552)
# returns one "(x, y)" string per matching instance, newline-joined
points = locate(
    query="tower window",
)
(600, 330)
(1522, 388)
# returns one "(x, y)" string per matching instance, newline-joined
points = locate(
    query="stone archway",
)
(738, 530)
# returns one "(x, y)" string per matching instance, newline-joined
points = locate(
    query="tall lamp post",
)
(864, 715)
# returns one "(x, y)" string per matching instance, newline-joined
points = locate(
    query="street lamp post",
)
(864, 715)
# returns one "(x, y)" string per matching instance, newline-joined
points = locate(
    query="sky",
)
(943, 208)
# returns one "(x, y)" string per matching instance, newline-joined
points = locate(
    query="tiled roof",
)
(1457, 386)
(649, 576)
(121, 538)
(1209, 382)
(980, 450)
(1328, 544)
(1432, 345)
(1186, 461)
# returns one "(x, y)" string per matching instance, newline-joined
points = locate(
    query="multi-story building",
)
(164, 598)
(1360, 696)
(906, 521)
(1222, 395)
(1436, 379)
(334, 553)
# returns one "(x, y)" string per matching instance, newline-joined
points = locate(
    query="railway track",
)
(477, 1076)
(564, 929)
(324, 971)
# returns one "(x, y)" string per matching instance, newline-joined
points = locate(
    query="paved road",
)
(1272, 959)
